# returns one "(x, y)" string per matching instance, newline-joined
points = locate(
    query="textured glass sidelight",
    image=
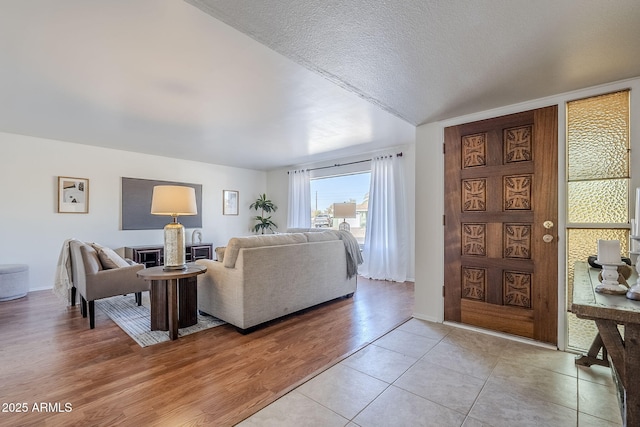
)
(601, 201)
(598, 137)
(597, 188)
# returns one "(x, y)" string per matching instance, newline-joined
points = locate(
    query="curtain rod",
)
(346, 164)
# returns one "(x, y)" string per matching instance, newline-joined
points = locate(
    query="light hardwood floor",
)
(218, 377)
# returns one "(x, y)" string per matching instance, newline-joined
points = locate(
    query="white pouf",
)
(14, 281)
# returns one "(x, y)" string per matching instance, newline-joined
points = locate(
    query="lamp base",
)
(344, 225)
(174, 253)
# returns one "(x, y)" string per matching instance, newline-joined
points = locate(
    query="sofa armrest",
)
(217, 272)
(220, 291)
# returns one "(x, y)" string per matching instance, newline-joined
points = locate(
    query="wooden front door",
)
(501, 207)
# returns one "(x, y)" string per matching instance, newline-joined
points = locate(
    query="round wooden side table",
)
(174, 299)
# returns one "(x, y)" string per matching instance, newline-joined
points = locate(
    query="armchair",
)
(93, 282)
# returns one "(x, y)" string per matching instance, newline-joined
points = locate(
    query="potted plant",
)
(266, 206)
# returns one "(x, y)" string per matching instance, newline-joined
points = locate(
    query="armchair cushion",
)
(109, 258)
(90, 259)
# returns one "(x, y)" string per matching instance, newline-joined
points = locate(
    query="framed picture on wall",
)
(229, 202)
(73, 195)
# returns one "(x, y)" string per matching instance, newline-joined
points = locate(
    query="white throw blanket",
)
(354, 256)
(63, 279)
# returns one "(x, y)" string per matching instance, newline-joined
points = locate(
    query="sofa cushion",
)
(237, 243)
(109, 258)
(323, 236)
(306, 230)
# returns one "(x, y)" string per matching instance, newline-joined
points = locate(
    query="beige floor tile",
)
(425, 328)
(501, 408)
(342, 389)
(471, 361)
(406, 343)
(294, 410)
(477, 341)
(598, 400)
(553, 360)
(381, 363)
(585, 420)
(396, 407)
(470, 422)
(440, 385)
(596, 374)
(430, 374)
(535, 382)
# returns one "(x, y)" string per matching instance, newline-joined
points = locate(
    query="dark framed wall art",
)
(136, 205)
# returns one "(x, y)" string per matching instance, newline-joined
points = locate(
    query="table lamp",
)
(174, 200)
(344, 211)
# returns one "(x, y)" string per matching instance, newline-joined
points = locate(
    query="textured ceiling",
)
(269, 83)
(427, 60)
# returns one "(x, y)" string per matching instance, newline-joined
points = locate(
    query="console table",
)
(153, 255)
(609, 311)
(174, 300)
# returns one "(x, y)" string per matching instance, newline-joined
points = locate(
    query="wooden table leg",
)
(632, 371)
(173, 308)
(158, 297)
(626, 363)
(187, 302)
(591, 358)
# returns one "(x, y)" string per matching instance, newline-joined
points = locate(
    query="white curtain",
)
(386, 245)
(299, 215)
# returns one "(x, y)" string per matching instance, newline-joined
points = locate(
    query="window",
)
(339, 189)
(597, 187)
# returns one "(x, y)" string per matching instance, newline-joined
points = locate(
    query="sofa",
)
(262, 278)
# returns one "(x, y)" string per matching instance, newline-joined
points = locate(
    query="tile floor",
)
(428, 374)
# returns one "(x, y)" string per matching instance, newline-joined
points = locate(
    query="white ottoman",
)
(14, 281)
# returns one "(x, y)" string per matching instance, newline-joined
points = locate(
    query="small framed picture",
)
(73, 195)
(229, 202)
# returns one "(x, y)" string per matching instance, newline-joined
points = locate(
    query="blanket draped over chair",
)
(63, 279)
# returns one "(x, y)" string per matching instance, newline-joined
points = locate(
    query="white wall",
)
(33, 231)
(430, 197)
(278, 185)
(429, 205)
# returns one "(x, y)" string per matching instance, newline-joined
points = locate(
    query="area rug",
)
(136, 320)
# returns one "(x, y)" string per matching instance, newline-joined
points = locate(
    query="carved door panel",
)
(501, 251)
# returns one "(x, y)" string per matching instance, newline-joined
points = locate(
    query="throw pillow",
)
(109, 258)
(92, 262)
(220, 253)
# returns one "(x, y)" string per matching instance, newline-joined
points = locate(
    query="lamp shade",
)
(173, 200)
(344, 210)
